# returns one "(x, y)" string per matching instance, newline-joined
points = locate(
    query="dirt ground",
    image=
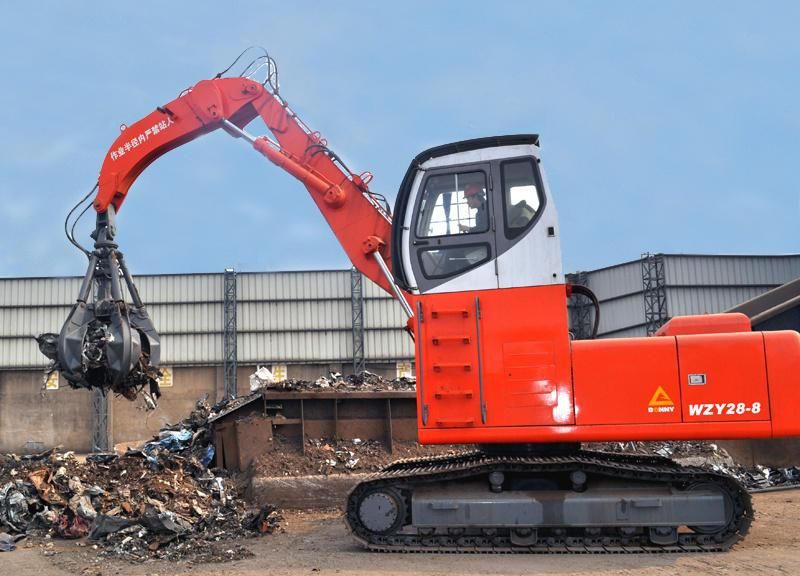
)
(318, 543)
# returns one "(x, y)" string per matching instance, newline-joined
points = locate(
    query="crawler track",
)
(404, 476)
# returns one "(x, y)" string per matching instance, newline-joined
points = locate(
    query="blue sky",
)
(669, 127)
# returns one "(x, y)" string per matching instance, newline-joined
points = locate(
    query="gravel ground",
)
(318, 543)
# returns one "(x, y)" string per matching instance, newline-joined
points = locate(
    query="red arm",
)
(357, 219)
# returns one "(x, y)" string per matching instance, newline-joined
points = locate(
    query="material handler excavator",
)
(471, 252)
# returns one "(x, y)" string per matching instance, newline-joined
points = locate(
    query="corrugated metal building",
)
(691, 284)
(303, 320)
(286, 317)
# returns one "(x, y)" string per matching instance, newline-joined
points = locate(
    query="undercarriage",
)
(584, 502)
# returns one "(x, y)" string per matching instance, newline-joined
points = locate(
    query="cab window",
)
(442, 262)
(521, 196)
(453, 204)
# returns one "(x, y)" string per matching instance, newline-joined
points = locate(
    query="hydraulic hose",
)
(584, 291)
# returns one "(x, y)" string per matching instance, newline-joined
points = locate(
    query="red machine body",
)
(538, 386)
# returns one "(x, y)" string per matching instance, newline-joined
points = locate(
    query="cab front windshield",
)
(453, 204)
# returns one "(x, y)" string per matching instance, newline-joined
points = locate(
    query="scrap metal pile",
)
(709, 455)
(362, 382)
(161, 501)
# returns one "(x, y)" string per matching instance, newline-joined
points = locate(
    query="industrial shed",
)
(303, 319)
(636, 297)
(216, 328)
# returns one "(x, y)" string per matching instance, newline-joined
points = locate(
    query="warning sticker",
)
(660, 402)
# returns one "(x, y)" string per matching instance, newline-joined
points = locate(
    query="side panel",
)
(783, 372)
(734, 385)
(526, 357)
(626, 381)
(494, 358)
(723, 377)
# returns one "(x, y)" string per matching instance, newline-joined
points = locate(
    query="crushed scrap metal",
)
(362, 382)
(161, 501)
(710, 456)
(142, 380)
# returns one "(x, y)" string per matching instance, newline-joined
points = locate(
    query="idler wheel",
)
(382, 511)
(730, 510)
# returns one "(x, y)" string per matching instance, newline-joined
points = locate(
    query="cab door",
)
(451, 236)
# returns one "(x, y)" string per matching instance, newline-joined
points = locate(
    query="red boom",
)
(359, 222)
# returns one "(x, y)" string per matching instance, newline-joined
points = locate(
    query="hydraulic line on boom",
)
(111, 344)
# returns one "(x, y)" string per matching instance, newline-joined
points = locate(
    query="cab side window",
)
(453, 204)
(521, 196)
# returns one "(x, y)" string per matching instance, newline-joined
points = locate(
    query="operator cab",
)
(476, 215)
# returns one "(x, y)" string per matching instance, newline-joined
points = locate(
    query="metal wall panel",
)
(29, 321)
(172, 318)
(180, 288)
(186, 318)
(630, 332)
(720, 282)
(372, 290)
(331, 345)
(293, 285)
(388, 345)
(616, 281)
(704, 300)
(179, 349)
(689, 270)
(323, 346)
(621, 313)
(306, 316)
(282, 316)
(38, 291)
(294, 315)
(21, 353)
(268, 347)
(383, 313)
